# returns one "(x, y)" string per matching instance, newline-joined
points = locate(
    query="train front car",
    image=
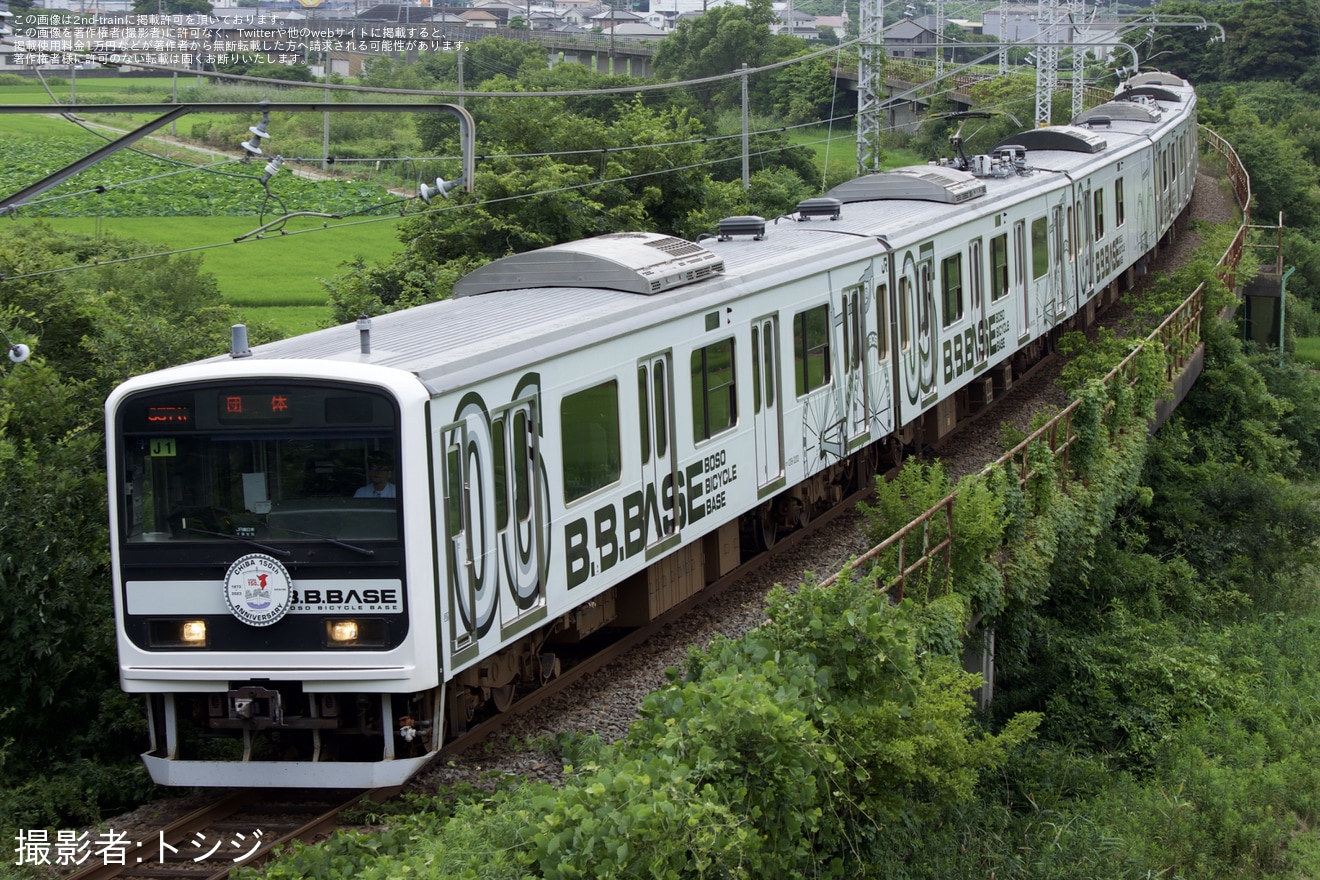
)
(270, 583)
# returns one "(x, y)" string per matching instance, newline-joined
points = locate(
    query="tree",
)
(802, 92)
(1278, 168)
(89, 330)
(720, 41)
(1272, 40)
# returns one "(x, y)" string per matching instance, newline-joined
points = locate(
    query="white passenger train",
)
(333, 552)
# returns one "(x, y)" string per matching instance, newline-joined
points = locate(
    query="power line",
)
(327, 227)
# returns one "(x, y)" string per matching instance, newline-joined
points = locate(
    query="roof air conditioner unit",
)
(822, 207)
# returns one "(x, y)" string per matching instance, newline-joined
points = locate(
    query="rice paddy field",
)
(274, 278)
(178, 197)
(1307, 350)
(183, 199)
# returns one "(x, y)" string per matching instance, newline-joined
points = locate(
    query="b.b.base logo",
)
(258, 589)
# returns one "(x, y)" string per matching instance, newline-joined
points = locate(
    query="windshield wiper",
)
(365, 551)
(273, 551)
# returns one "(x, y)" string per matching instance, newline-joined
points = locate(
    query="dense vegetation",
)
(1155, 711)
(1156, 625)
(67, 733)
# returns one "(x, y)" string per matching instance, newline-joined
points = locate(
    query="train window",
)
(714, 401)
(976, 273)
(589, 426)
(644, 413)
(1040, 248)
(454, 489)
(661, 383)
(499, 464)
(756, 371)
(904, 334)
(1020, 271)
(1118, 203)
(882, 320)
(522, 458)
(852, 326)
(811, 349)
(951, 278)
(998, 267)
(1099, 214)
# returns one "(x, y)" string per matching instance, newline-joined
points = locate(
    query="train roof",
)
(533, 306)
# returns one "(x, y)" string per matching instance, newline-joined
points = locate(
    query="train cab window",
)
(1099, 214)
(952, 288)
(811, 349)
(1040, 248)
(1118, 203)
(714, 398)
(589, 425)
(998, 267)
(279, 460)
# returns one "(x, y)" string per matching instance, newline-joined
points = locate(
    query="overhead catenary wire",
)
(327, 227)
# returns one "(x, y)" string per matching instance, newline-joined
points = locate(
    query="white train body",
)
(582, 437)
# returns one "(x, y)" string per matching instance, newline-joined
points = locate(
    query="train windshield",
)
(273, 462)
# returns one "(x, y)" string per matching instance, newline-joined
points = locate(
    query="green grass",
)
(836, 151)
(1307, 350)
(135, 89)
(292, 320)
(274, 271)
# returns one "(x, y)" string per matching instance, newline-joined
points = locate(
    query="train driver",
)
(380, 473)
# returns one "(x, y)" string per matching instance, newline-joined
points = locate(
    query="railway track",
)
(244, 827)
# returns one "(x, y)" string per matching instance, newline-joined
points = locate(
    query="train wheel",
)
(765, 525)
(461, 710)
(804, 511)
(502, 697)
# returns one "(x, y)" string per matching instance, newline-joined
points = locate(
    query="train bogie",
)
(336, 551)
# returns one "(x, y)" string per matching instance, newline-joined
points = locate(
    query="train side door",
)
(917, 322)
(765, 404)
(519, 515)
(1058, 265)
(976, 290)
(880, 371)
(655, 391)
(853, 329)
(1146, 205)
(1085, 245)
(1019, 275)
(469, 577)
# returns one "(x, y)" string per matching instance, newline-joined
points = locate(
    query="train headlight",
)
(355, 633)
(177, 633)
(193, 632)
(343, 630)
